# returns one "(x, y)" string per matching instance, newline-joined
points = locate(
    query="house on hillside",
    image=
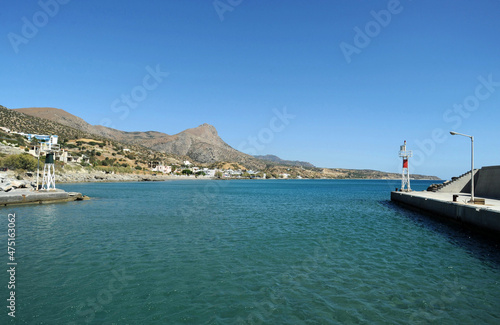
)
(209, 172)
(47, 143)
(159, 166)
(49, 140)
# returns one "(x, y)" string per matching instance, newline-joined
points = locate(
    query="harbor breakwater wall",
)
(452, 200)
(25, 196)
(486, 183)
(485, 217)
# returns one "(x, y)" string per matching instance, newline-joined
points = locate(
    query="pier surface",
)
(33, 197)
(485, 216)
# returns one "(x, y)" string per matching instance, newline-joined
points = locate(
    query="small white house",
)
(157, 166)
(209, 172)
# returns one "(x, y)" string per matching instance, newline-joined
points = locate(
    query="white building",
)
(47, 143)
(157, 166)
(48, 139)
(209, 172)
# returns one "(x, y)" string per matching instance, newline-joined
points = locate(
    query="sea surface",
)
(246, 252)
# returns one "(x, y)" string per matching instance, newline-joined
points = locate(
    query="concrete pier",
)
(485, 216)
(451, 199)
(18, 197)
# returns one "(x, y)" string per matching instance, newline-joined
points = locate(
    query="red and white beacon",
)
(405, 176)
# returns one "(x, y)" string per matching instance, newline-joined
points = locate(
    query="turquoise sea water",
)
(246, 252)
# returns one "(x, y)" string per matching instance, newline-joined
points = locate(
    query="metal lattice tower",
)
(49, 171)
(405, 176)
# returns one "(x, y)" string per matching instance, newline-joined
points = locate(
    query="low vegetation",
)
(21, 161)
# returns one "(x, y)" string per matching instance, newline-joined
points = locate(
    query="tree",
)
(187, 172)
(21, 161)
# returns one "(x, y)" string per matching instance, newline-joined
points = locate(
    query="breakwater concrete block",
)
(33, 197)
(485, 216)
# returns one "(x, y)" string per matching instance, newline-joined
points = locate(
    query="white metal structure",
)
(49, 173)
(49, 170)
(405, 176)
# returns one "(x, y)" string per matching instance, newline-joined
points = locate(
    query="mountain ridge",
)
(201, 144)
(278, 160)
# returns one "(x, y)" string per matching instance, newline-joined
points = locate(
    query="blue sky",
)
(358, 77)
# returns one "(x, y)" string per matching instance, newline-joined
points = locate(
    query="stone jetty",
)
(452, 199)
(15, 191)
(25, 196)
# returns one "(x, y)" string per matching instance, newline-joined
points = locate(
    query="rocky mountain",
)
(202, 144)
(57, 115)
(20, 122)
(61, 116)
(280, 161)
(17, 121)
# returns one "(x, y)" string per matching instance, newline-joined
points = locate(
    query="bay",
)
(248, 252)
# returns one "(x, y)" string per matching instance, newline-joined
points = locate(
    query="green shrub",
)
(21, 161)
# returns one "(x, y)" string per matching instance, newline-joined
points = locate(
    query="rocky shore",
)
(14, 190)
(98, 176)
(11, 180)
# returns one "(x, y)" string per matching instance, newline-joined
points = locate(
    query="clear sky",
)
(337, 83)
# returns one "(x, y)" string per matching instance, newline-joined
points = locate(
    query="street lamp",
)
(472, 163)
